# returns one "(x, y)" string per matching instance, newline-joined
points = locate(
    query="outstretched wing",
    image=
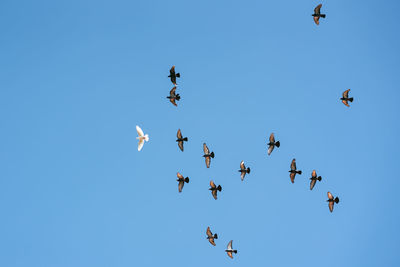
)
(140, 145)
(212, 184)
(208, 161)
(317, 10)
(270, 149)
(312, 183)
(293, 165)
(179, 134)
(208, 232)
(180, 144)
(172, 92)
(242, 175)
(229, 247)
(180, 176)
(205, 149)
(331, 205)
(316, 20)
(346, 103)
(230, 254)
(346, 93)
(314, 174)
(292, 176)
(330, 195)
(172, 71)
(272, 138)
(242, 167)
(214, 194)
(180, 185)
(173, 101)
(211, 239)
(139, 131)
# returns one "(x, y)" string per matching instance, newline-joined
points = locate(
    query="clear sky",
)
(77, 76)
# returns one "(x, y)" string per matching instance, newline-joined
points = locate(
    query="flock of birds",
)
(173, 97)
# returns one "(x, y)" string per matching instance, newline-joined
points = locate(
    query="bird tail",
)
(319, 178)
(146, 137)
(350, 99)
(178, 75)
(187, 179)
(336, 200)
(212, 154)
(234, 251)
(185, 139)
(323, 15)
(299, 172)
(248, 170)
(215, 236)
(278, 144)
(219, 188)
(177, 97)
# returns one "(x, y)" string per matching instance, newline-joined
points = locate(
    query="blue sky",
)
(76, 77)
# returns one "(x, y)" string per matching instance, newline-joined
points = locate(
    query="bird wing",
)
(208, 161)
(312, 183)
(314, 173)
(229, 247)
(329, 195)
(270, 149)
(292, 176)
(272, 138)
(180, 185)
(242, 167)
(172, 71)
(208, 232)
(172, 92)
(179, 134)
(212, 184)
(211, 240)
(180, 144)
(180, 176)
(346, 103)
(173, 101)
(316, 20)
(214, 194)
(140, 145)
(331, 206)
(139, 131)
(293, 165)
(346, 93)
(317, 10)
(230, 254)
(205, 149)
(242, 175)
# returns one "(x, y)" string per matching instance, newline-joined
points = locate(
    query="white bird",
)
(142, 137)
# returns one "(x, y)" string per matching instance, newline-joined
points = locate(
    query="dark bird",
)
(314, 179)
(243, 170)
(172, 96)
(181, 181)
(229, 249)
(210, 236)
(214, 189)
(317, 14)
(173, 75)
(293, 170)
(345, 98)
(272, 144)
(207, 155)
(332, 201)
(180, 139)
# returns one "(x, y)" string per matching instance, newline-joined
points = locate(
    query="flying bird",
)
(181, 181)
(172, 96)
(142, 137)
(207, 155)
(293, 170)
(210, 236)
(317, 14)
(272, 144)
(332, 201)
(243, 170)
(229, 249)
(180, 139)
(345, 98)
(214, 189)
(173, 75)
(314, 179)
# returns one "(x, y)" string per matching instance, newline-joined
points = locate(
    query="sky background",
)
(76, 77)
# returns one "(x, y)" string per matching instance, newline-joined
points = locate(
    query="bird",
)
(207, 155)
(229, 249)
(181, 181)
(172, 96)
(180, 139)
(332, 201)
(345, 98)
(293, 170)
(214, 189)
(210, 236)
(173, 75)
(142, 137)
(314, 179)
(272, 144)
(243, 170)
(317, 14)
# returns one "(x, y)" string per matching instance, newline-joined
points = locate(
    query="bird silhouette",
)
(317, 14)
(172, 96)
(181, 181)
(207, 155)
(293, 170)
(345, 98)
(229, 249)
(142, 137)
(314, 179)
(173, 75)
(210, 236)
(180, 139)
(214, 189)
(243, 170)
(331, 201)
(272, 144)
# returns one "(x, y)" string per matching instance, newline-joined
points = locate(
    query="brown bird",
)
(272, 144)
(210, 236)
(229, 249)
(214, 189)
(293, 170)
(172, 96)
(332, 201)
(207, 155)
(317, 14)
(180, 139)
(345, 98)
(181, 181)
(314, 179)
(243, 170)
(173, 75)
